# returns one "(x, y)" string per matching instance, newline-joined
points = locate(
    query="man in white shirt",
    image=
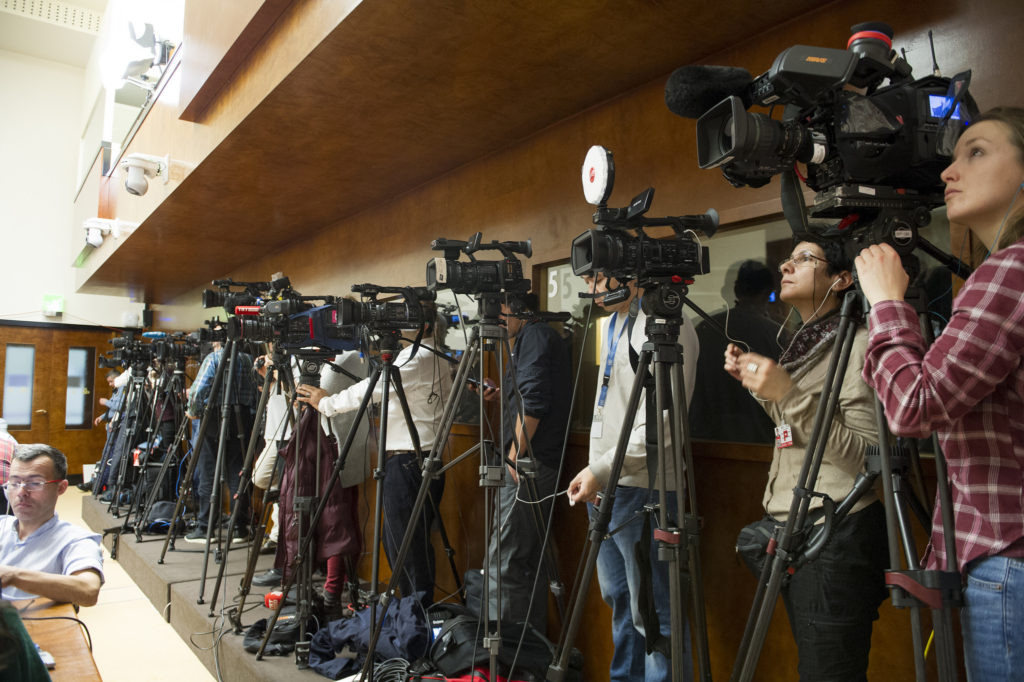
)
(426, 382)
(40, 555)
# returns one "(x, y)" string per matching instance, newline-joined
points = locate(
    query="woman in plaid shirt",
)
(969, 388)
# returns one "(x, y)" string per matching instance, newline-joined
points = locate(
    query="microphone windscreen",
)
(692, 90)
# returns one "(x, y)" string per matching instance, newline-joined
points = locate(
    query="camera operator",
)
(539, 371)
(338, 542)
(426, 383)
(620, 576)
(969, 387)
(242, 402)
(833, 600)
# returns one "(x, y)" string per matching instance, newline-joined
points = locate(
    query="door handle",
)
(41, 412)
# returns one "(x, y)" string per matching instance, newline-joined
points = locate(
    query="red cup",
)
(272, 599)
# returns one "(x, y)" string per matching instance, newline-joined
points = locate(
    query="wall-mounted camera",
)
(138, 167)
(97, 228)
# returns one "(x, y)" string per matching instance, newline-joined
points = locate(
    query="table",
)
(64, 639)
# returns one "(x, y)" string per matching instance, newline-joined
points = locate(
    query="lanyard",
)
(613, 344)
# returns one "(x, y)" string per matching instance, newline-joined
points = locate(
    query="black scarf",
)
(813, 339)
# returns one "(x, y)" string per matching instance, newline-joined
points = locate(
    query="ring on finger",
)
(752, 367)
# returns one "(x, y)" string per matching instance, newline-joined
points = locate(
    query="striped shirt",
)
(969, 388)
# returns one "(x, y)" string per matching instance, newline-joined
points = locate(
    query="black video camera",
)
(127, 351)
(874, 140)
(478, 277)
(382, 316)
(251, 294)
(614, 252)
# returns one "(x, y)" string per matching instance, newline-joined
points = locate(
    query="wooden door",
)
(46, 420)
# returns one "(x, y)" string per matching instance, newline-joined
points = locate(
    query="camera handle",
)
(679, 546)
(789, 548)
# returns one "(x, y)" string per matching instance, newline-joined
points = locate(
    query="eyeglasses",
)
(802, 258)
(31, 486)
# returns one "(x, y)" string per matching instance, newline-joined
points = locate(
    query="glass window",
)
(78, 403)
(18, 375)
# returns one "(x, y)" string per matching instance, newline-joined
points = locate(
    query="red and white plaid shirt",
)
(969, 388)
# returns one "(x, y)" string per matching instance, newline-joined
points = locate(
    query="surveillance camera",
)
(95, 228)
(137, 167)
(93, 237)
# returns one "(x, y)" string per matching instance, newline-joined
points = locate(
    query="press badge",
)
(597, 425)
(783, 436)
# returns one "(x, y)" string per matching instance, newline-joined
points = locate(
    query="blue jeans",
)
(993, 619)
(619, 576)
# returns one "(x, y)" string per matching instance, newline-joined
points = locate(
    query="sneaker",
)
(197, 534)
(269, 547)
(269, 579)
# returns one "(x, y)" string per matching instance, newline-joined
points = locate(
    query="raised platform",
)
(173, 589)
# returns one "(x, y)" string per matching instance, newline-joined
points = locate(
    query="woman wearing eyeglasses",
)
(968, 387)
(833, 601)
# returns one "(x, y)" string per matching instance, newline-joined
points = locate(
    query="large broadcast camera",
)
(375, 316)
(176, 347)
(293, 324)
(612, 251)
(127, 351)
(873, 139)
(252, 293)
(478, 277)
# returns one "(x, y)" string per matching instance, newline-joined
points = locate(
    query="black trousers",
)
(832, 602)
(234, 457)
(402, 480)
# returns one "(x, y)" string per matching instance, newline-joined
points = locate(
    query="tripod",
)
(391, 378)
(487, 334)
(221, 475)
(134, 413)
(795, 543)
(662, 357)
(204, 423)
(166, 394)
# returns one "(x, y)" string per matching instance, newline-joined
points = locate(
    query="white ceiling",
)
(21, 32)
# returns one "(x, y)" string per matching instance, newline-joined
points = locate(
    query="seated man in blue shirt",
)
(40, 555)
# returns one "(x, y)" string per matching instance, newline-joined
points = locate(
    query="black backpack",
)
(458, 648)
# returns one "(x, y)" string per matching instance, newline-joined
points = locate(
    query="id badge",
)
(597, 425)
(783, 436)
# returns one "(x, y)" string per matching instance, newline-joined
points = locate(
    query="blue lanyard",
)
(613, 344)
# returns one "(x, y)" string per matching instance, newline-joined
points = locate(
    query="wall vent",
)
(56, 13)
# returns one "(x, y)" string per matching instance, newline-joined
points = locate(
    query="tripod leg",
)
(245, 482)
(598, 529)
(186, 482)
